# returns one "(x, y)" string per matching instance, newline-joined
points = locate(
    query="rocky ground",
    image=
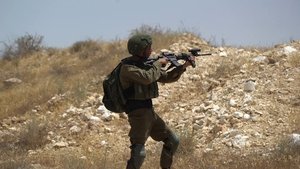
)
(242, 100)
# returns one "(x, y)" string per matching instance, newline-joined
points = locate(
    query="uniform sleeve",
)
(171, 76)
(142, 76)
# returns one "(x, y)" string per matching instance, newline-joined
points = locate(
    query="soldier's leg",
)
(138, 155)
(140, 122)
(160, 132)
(169, 148)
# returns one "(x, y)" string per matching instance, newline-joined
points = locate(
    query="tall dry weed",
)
(294, 59)
(33, 135)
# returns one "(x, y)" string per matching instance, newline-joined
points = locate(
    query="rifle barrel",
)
(205, 54)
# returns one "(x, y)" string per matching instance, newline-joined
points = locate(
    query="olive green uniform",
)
(139, 82)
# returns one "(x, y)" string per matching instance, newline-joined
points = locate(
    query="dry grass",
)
(227, 67)
(33, 135)
(294, 60)
(286, 157)
(77, 70)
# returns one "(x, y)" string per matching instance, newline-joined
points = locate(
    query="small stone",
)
(197, 109)
(295, 139)
(280, 120)
(216, 129)
(12, 81)
(238, 114)
(197, 127)
(199, 122)
(247, 98)
(246, 116)
(198, 117)
(103, 143)
(260, 59)
(94, 119)
(75, 129)
(240, 141)
(232, 103)
(249, 86)
(107, 130)
(123, 115)
(223, 54)
(83, 157)
(60, 144)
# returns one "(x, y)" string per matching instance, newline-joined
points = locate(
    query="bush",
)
(34, 135)
(85, 48)
(22, 46)
(162, 38)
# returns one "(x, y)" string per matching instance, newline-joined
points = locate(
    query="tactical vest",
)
(140, 91)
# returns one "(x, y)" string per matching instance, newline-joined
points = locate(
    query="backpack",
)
(114, 99)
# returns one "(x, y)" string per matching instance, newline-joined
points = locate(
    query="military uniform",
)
(139, 81)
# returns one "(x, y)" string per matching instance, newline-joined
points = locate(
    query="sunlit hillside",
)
(238, 108)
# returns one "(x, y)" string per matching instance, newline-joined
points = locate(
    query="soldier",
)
(139, 81)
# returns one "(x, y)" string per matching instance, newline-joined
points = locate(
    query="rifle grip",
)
(193, 63)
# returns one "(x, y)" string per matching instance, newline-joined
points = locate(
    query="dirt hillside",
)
(240, 101)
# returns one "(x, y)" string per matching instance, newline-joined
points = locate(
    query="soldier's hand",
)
(188, 63)
(163, 60)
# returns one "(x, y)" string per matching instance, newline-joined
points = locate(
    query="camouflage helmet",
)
(137, 43)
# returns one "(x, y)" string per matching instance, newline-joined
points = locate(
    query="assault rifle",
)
(182, 56)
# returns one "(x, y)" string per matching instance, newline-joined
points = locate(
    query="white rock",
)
(260, 59)
(290, 80)
(221, 49)
(12, 81)
(83, 157)
(165, 51)
(75, 129)
(223, 54)
(240, 50)
(106, 114)
(247, 98)
(228, 143)
(71, 110)
(51, 133)
(257, 135)
(60, 144)
(238, 114)
(102, 110)
(207, 150)
(246, 116)
(288, 50)
(103, 143)
(94, 119)
(115, 115)
(295, 139)
(240, 141)
(13, 128)
(107, 130)
(232, 103)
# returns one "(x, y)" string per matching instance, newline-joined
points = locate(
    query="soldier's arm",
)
(142, 76)
(172, 76)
